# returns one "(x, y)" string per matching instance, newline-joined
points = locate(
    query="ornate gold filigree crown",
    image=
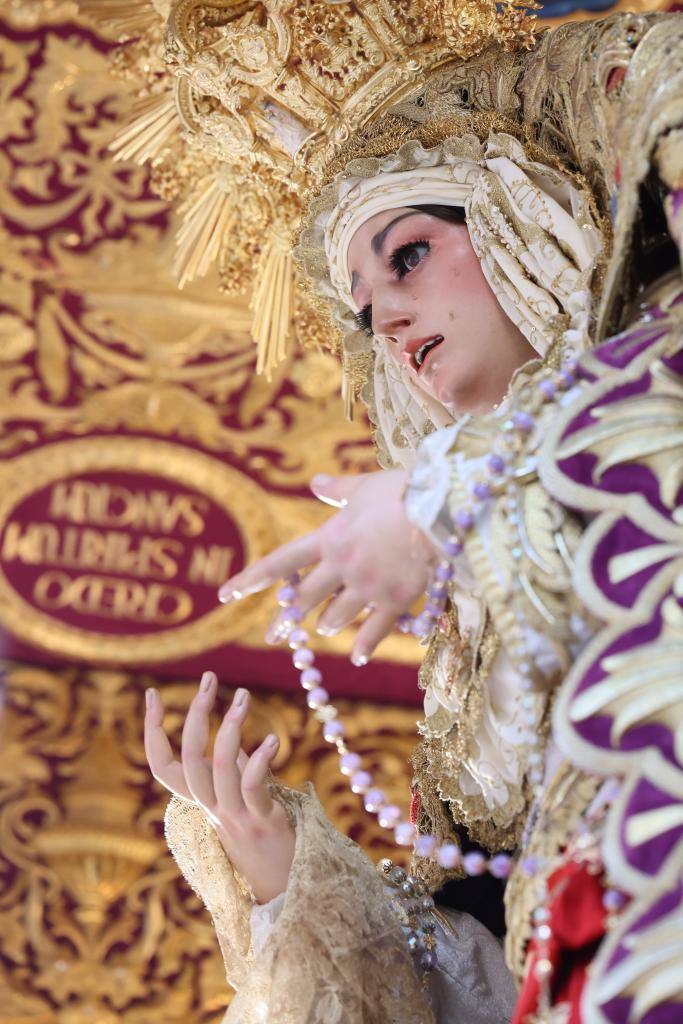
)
(244, 104)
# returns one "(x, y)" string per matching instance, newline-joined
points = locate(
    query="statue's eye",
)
(408, 257)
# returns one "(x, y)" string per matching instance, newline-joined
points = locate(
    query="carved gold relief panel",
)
(95, 925)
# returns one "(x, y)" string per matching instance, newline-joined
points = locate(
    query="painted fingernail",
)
(359, 660)
(235, 591)
(321, 480)
(206, 681)
(240, 697)
(323, 630)
(320, 484)
(150, 694)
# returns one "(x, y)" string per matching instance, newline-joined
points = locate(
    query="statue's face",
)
(419, 287)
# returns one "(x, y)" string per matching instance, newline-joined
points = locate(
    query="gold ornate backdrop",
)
(95, 925)
(142, 461)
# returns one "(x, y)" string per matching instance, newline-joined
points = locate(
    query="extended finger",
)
(226, 753)
(277, 565)
(377, 625)
(277, 628)
(165, 768)
(195, 741)
(254, 790)
(315, 588)
(318, 585)
(341, 612)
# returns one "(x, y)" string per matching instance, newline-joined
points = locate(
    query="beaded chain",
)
(389, 816)
(413, 903)
(426, 845)
(414, 908)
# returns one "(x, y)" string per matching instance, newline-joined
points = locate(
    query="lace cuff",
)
(201, 858)
(335, 954)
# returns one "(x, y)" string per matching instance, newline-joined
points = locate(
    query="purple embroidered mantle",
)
(616, 455)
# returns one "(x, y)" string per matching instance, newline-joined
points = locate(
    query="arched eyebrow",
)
(378, 240)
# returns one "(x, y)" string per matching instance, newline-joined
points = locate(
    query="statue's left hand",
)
(368, 555)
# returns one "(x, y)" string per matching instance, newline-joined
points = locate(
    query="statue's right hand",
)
(231, 790)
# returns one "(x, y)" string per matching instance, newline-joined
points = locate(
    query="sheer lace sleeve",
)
(336, 952)
(200, 856)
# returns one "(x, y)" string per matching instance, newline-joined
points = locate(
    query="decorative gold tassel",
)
(124, 17)
(348, 391)
(356, 369)
(205, 225)
(271, 302)
(155, 123)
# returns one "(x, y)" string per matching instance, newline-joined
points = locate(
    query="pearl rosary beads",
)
(448, 855)
(501, 476)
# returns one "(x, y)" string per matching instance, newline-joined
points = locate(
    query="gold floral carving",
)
(95, 921)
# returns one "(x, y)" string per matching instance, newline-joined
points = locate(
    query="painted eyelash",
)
(395, 259)
(364, 319)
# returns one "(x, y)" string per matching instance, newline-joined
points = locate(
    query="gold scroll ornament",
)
(96, 925)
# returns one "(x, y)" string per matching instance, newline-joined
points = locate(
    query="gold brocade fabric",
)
(336, 954)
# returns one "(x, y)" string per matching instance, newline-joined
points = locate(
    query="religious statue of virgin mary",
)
(485, 222)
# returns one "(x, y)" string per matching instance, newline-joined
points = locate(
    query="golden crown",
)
(244, 104)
